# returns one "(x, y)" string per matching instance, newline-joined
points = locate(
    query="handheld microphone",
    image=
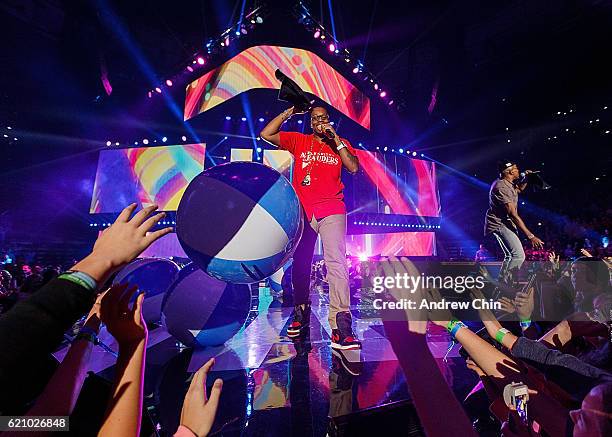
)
(329, 133)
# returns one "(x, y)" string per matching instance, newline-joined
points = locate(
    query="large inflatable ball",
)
(153, 276)
(239, 222)
(199, 310)
(275, 280)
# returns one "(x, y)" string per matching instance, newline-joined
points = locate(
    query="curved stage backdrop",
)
(255, 67)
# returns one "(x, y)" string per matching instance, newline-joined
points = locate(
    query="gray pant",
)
(514, 255)
(332, 230)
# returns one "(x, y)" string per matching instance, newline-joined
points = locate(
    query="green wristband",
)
(451, 324)
(500, 334)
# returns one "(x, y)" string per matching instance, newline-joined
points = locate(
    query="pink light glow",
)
(169, 82)
(317, 33)
(200, 60)
(332, 47)
(158, 90)
(383, 94)
(356, 70)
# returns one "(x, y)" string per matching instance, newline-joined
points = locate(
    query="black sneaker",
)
(300, 322)
(343, 337)
(349, 360)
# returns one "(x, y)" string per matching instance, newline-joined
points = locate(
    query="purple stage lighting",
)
(332, 47)
(228, 118)
(261, 119)
(145, 141)
(189, 69)
(169, 82)
(317, 33)
(356, 70)
(108, 143)
(383, 94)
(150, 94)
(243, 119)
(158, 90)
(259, 150)
(376, 86)
(200, 60)
(184, 138)
(164, 139)
(414, 153)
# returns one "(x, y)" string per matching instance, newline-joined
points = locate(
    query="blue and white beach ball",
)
(199, 310)
(239, 222)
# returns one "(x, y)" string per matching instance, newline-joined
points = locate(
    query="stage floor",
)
(273, 386)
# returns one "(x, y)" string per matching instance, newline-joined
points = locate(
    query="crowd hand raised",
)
(93, 318)
(486, 315)
(198, 413)
(586, 253)
(125, 324)
(524, 303)
(417, 318)
(440, 317)
(127, 237)
(507, 305)
(470, 364)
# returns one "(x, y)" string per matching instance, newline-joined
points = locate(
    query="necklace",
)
(306, 181)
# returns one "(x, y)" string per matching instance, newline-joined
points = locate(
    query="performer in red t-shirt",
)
(317, 167)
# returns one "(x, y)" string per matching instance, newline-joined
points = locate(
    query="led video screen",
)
(145, 175)
(392, 184)
(392, 244)
(254, 68)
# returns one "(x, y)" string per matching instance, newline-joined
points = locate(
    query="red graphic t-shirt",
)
(323, 197)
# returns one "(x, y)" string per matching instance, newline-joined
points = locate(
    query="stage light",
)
(158, 90)
(225, 138)
(332, 47)
(145, 141)
(336, 51)
(317, 33)
(222, 44)
(194, 62)
(200, 60)
(169, 82)
(508, 140)
(377, 148)
(539, 223)
(363, 257)
(376, 86)
(259, 150)
(9, 128)
(117, 143)
(189, 69)
(108, 143)
(150, 94)
(408, 152)
(237, 33)
(184, 138)
(261, 119)
(135, 143)
(607, 132)
(414, 153)
(227, 41)
(347, 59)
(401, 150)
(228, 118)
(259, 20)
(422, 155)
(243, 119)
(383, 94)
(258, 138)
(299, 121)
(385, 149)
(322, 36)
(390, 102)
(331, 122)
(164, 139)
(356, 70)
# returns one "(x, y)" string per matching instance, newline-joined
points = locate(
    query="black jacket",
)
(32, 330)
